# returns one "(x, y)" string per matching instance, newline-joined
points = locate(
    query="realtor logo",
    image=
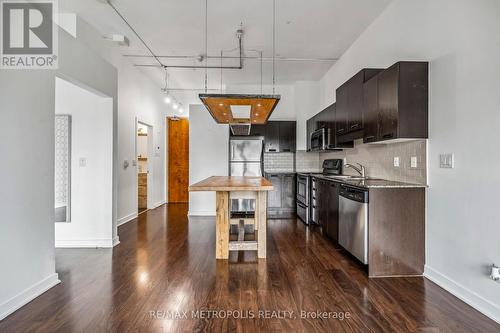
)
(29, 34)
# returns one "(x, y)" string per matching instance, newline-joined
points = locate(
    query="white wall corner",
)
(481, 304)
(126, 219)
(28, 295)
(67, 22)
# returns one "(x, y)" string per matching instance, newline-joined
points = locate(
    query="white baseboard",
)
(201, 213)
(126, 219)
(160, 203)
(470, 297)
(116, 241)
(85, 243)
(28, 295)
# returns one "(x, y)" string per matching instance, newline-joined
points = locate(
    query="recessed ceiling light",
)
(259, 105)
(221, 104)
(256, 114)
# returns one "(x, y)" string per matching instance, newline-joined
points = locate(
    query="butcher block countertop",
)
(230, 184)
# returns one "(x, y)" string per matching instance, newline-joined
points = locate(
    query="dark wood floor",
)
(166, 264)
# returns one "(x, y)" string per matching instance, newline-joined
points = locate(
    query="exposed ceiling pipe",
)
(135, 32)
(234, 57)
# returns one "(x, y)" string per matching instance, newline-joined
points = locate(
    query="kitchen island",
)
(225, 187)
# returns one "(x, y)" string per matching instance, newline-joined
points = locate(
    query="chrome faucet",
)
(360, 170)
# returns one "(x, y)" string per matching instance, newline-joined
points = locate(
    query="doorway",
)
(144, 166)
(178, 159)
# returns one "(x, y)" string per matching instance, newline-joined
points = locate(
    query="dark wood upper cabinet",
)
(349, 117)
(258, 130)
(272, 137)
(395, 103)
(287, 136)
(403, 101)
(325, 119)
(342, 109)
(370, 110)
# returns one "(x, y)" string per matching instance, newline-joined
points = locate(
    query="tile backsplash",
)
(379, 160)
(279, 162)
(307, 161)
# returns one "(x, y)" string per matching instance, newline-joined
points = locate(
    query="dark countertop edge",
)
(279, 172)
(395, 184)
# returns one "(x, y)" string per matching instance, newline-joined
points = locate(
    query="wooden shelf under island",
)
(224, 187)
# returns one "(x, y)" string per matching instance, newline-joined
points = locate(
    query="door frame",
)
(150, 203)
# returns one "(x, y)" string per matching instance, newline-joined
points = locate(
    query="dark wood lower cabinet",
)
(396, 233)
(281, 202)
(332, 220)
(396, 227)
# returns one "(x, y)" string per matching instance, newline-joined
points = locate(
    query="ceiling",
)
(307, 29)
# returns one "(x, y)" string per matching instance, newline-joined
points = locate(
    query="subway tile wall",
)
(284, 162)
(379, 160)
(307, 161)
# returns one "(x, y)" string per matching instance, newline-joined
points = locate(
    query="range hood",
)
(240, 111)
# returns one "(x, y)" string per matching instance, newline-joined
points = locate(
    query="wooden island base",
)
(224, 187)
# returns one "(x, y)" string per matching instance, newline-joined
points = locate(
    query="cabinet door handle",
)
(340, 130)
(286, 149)
(388, 136)
(272, 150)
(354, 126)
(369, 138)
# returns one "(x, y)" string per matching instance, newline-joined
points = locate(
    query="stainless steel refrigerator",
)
(245, 159)
(245, 156)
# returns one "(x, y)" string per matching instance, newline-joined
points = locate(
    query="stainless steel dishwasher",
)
(353, 221)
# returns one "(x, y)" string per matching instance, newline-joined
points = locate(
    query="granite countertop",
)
(372, 182)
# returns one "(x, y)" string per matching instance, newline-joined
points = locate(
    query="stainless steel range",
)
(306, 190)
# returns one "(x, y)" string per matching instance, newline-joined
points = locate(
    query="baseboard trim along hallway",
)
(468, 296)
(87, 243)
(28, 295)
(127, 219)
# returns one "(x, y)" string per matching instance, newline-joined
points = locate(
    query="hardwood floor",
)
(165, 265)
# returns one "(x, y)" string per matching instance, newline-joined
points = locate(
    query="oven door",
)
(302, 190)
(303, 212)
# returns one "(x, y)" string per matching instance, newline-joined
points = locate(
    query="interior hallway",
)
(165, 263)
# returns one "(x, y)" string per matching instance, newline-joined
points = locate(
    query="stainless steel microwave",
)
(322, 140)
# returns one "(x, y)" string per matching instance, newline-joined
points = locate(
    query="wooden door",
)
(178, 160)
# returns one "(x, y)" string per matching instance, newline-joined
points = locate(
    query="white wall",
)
(307, 101)
(138, 98)
(208, 156)
(27, 103)
(460, 39)
(91, 186)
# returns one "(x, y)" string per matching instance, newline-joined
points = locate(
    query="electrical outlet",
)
(446, 161)
(396, 162)
(413, 162)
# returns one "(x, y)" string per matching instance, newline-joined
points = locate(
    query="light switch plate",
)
(396, 161)
(82, 162)
(134, 163)
(413, 162)
(447, 161)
